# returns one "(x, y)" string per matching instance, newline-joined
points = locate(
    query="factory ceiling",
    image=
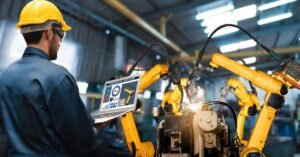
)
(191, 21)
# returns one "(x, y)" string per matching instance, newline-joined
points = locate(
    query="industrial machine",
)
(187, 133)
(203, 132)
(181, 131)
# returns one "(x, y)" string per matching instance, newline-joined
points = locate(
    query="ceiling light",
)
(250, 60)
(224, 31)
(244, 12)
(231, 16)
(229, 48)
(247, 44)
(220, 18)
(157, 57)
(274, 4)
(214, 11)
(107, 31)
(237, 46)
(212, 27)
(217, 22)
(274, 18)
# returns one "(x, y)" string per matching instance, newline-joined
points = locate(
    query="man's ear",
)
(49, 33)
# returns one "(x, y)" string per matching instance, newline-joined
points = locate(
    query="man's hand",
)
(101, 125)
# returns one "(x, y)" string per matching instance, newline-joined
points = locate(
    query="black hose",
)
(230, 108)
(202, 51)
(271, 53)
(133, 149)
(137, 62)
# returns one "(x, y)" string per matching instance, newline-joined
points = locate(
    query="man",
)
(40, 108)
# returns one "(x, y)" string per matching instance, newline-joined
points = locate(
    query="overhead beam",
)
(124, 10)
(97, 21)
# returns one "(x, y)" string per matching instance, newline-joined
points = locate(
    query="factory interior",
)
(214, 78)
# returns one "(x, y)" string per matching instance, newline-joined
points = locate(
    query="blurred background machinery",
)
(109, 36)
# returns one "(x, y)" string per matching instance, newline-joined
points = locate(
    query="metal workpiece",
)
(210, 134)
(207, 120)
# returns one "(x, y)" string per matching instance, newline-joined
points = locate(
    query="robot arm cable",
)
(234, 117)
(271, 53)
(202, 51)
(225, 104)
(137, 62)
(142, 56)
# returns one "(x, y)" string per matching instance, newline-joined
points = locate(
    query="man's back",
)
(35, 115)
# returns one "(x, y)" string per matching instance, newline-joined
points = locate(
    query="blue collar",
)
(30, 51)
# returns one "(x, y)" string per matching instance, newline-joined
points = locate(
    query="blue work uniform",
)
(41, 112)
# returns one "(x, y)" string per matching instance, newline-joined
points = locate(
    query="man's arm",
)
(70, 118)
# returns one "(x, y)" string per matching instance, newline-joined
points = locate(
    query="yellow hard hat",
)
(39, 12)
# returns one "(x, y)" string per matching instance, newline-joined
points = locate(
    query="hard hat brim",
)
(66, 27)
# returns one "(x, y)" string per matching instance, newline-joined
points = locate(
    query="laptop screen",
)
(120, 94)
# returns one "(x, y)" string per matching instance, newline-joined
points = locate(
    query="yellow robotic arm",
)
(172, 99)
(258, 78)
(246, 101)
(152, 76)
(136, 147)
(276, 86)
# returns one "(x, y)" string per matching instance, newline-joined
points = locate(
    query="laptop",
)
(119, 97)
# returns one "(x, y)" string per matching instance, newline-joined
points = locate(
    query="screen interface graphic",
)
(120, 93)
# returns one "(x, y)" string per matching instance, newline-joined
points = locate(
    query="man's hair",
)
(33, 37)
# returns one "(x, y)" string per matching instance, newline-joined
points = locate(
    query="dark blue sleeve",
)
(70, 118)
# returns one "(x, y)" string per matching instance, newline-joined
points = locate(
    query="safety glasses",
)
(56, 27)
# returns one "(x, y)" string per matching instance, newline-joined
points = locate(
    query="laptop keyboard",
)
(106, 114)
